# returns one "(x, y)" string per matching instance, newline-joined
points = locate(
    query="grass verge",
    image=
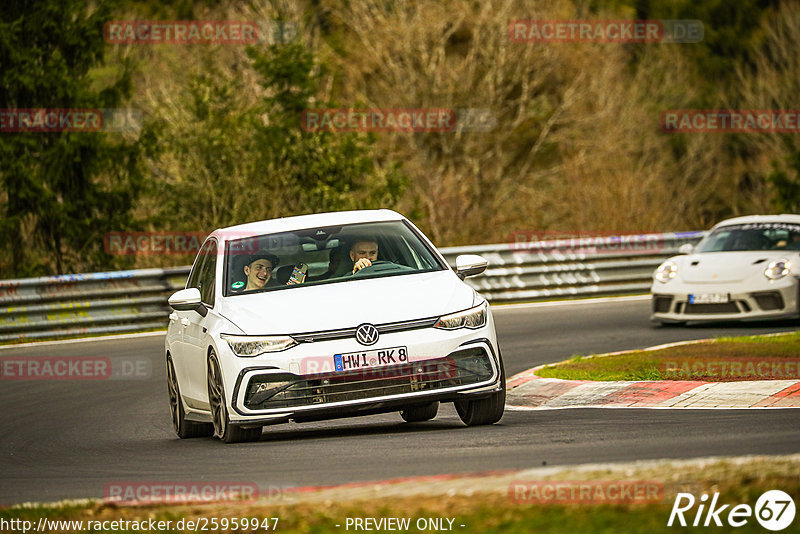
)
(771, 357)
(485, 507)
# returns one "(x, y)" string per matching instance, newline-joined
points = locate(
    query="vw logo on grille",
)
(367, 334)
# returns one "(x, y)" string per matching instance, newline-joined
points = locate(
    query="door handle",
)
(173, 317)
(185, 321)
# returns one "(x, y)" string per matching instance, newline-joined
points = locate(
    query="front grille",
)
(723, 307)
(769, 300)
(344, 333)
(661, 303)
(286, 390)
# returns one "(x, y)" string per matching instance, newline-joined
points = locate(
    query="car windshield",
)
(324, 255)
(752, 236)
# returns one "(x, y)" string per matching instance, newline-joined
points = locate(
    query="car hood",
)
(723, 267)
(348, 304)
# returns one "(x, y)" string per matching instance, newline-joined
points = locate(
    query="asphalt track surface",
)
(69, 439)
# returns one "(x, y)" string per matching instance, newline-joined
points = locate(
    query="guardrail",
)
(123, 301)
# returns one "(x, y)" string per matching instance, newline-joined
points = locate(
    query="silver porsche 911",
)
(744, 269)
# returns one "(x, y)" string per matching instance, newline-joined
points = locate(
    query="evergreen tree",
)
(63, 190)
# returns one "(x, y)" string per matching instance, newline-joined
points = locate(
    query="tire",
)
(672, 324)
(414, 414)
(183, 428)
(223, 429)
(486, 411)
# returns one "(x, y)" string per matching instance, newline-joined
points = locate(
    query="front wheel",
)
(414, 414)
(223, 429)
(484, 411)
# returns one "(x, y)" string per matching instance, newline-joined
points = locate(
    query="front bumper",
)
(300, 384)
(746, 301)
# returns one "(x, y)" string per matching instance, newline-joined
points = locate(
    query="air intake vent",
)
(769, 300)
(725, 307)
(661, 303)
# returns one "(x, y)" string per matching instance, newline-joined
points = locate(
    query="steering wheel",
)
(376, 263)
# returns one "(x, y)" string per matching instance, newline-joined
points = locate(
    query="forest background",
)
(574, 144)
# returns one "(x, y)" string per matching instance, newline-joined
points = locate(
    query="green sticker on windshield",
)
(237, 285)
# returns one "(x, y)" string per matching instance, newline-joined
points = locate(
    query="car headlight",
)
(471, 318)
(778, 269)
(249, 346)
(666, 272)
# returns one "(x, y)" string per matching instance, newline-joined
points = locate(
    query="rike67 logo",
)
(774, 510)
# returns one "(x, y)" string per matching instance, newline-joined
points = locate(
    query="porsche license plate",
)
(709, 298)
(370, 358)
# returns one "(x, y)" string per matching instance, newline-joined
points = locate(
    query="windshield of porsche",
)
(752, 236)
(325, 255)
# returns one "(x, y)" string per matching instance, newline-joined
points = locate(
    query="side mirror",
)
(470, 265)
(188, 300)
(686, 248)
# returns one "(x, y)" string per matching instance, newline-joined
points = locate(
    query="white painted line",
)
(83, 340)
(549, 304)
(513, 408)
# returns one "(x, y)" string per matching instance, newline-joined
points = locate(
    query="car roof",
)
(299, 222)
(782, 218)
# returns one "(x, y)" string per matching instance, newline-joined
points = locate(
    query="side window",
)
(194, 276)
(207, 273)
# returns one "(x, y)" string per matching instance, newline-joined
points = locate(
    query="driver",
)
(363, 252)
(259, 271)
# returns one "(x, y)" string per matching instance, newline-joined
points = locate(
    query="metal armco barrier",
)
(95, 303)
(123, 301)
(579, 267)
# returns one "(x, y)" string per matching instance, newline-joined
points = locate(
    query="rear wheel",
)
(484, 411)
(414, 414)
(183, 428)
(223, 429)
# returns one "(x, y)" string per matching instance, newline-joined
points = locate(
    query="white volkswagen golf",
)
(324, 316)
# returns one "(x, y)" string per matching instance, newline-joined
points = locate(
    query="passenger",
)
(259, 271)
(363, 252)
(792, 244)
(334, 263)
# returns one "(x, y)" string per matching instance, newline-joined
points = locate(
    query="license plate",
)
(709, 298)
(370, 358)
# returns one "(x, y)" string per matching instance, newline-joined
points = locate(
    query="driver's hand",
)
(360, 264)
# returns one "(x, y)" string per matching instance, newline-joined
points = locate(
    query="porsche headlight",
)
(471, 318)
(778, 269)
(666, 272)
(249, 346)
